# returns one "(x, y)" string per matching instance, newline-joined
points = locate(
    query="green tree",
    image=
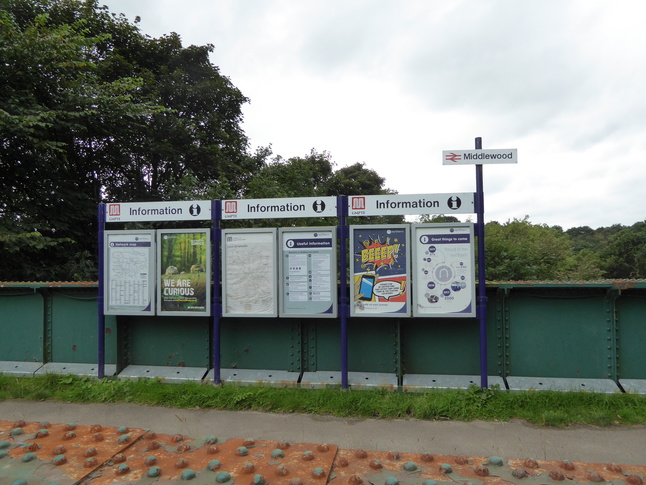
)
(520, 250)
(306, 176)
(436, 218)
(93, 110)
(314, 176)
(625, 255)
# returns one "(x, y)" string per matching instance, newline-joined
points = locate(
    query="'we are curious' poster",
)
(184, 262)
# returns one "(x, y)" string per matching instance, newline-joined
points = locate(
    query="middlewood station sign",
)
(296, 207)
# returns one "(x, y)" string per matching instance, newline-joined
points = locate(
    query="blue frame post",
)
(216, 299)
(482, 290)
(100, 296)
(344, 308)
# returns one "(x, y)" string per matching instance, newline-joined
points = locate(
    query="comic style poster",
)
(184, 276)
(380, 268)
(444, 278)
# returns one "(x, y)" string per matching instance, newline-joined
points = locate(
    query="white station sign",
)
(279, 208)
(479, 157)
(183, 210)
(389, 205)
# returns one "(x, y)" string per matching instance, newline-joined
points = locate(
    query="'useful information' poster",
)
(380, 271)
(129, 280)
(444, 270)
(308, 272)
(249, 275)
(184, 262)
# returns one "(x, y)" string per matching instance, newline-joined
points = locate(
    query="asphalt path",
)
(516, 439)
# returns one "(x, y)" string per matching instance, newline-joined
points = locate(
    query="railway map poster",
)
(249, 273)
(308, 272)
(129, 277)
(444, 278)
(184, 272)
(380, 267)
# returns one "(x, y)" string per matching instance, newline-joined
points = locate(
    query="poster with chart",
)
(129, 279)
(249, 273)
(308, 272)
(379, 271)
(184, 272)
(444, 276)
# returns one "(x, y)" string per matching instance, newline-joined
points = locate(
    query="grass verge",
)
(542, 408)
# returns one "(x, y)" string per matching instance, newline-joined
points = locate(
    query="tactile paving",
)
(33, 453)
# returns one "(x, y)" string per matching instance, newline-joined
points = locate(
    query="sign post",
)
(482, 291)
(99, 298)
(478, 157)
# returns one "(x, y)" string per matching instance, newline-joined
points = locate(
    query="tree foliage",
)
(93, 110)
(520, 250)
(314, 175)
(625, 254)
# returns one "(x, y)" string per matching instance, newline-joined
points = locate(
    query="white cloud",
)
(392, 84)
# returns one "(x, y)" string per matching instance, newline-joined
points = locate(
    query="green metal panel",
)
(373, 345)
(73, 327)
(631, 334)
(452, 345)
(559, 333)
(166, 341)
(322, 349)
(21, 325)
(261, 343)
(441, 346)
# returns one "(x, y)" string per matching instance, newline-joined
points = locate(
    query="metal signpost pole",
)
(101, 308)
(342, 211)
(216, 305)
(482, 291)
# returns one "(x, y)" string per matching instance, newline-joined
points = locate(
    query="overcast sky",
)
(393, 83)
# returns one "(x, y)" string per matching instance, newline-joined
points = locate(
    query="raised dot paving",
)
(33, 453)
(59, 453)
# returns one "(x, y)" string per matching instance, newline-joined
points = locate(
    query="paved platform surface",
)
(577, 453)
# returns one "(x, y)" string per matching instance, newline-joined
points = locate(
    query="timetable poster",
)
(308, 272)
(184, 277)
(129, 279)
(444, 279)
(380, 271)
(249, 273)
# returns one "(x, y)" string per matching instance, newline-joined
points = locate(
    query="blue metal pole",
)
(100, 300)
(216, 299)
(482, 291)
(344, 308)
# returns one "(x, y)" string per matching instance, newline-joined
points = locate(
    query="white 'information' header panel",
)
(390, 205)
(279, 208)
(182, 210)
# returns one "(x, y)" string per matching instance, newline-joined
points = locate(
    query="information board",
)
(279, 208)
(178, 210)
(379, 271)
(129, 279)
(392, 204)
(307, 272)
(184, 272)
(444, 276)
(249, 273)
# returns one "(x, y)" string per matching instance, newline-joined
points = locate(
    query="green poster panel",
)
(184, 272)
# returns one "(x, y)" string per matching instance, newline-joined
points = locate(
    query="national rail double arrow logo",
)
(453, 157)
